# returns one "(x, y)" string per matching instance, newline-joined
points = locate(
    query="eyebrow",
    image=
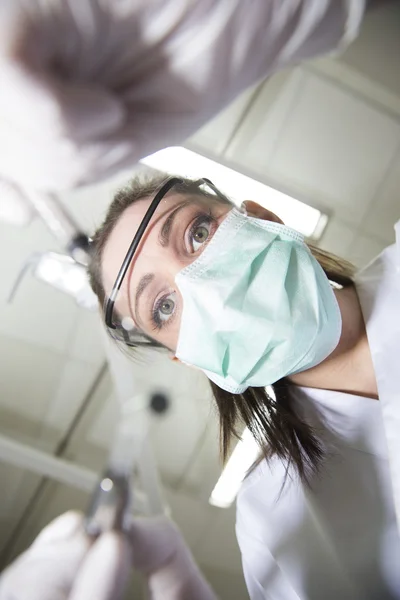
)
(164, 235)
(143, 283)
(163, 238)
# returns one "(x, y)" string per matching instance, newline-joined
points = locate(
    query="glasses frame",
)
(165, 188)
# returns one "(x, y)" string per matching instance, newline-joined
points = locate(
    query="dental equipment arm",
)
(158, 549)
(89, 87)
(19, 207)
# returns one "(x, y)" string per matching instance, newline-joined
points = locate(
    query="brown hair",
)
(273, 422)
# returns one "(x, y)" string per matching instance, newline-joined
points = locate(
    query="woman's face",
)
(180, 229)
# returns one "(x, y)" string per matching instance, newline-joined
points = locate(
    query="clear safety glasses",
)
(122, 327)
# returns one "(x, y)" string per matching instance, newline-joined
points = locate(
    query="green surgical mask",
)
(257, 306)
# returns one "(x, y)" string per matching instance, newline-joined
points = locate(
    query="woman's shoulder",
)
(270, 501)
(267, 487)
(345, 423)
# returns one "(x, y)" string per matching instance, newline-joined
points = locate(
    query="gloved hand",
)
(65, 564)
(90, 86)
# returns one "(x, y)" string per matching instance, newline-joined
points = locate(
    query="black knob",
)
(159, 403)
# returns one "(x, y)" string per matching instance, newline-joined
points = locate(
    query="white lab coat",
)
(339, 540)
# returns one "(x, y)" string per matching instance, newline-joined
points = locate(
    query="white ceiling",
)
(327, 133)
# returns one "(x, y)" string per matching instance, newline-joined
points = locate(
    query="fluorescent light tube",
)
(228, 485)
(180, 161)
(243, 456)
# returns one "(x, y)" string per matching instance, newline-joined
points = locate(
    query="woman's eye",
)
(200, 233)
(164, 309)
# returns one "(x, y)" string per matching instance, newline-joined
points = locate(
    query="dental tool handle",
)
(109, 505)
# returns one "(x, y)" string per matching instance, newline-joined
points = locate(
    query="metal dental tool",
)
(111, 503)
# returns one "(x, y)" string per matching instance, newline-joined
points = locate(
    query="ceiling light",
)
(65, 274)
(245, 453)
(228, 485)
(180, 161)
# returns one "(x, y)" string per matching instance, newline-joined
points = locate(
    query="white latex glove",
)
(90, 86)
(64, 564)
(159, 551)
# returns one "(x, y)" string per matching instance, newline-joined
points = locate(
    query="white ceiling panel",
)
(384, 211)
(258, 135)
(39, 315)
(74, 384)
(335, 148)
(102, 427)
(40, 392)
(175, 436)
(156, 371)
(364, 249)
(29, 378)
(89, 204)
(16, 245)
(216, 133)
(86, 341)
(206, 465)
(91, 438)
(338, 237)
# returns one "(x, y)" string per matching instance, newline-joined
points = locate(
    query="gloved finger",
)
(154, 543)
(77, 112)
(88, 112)
(159, 551)
(63, 527)
(105, 571)
(46, 571)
